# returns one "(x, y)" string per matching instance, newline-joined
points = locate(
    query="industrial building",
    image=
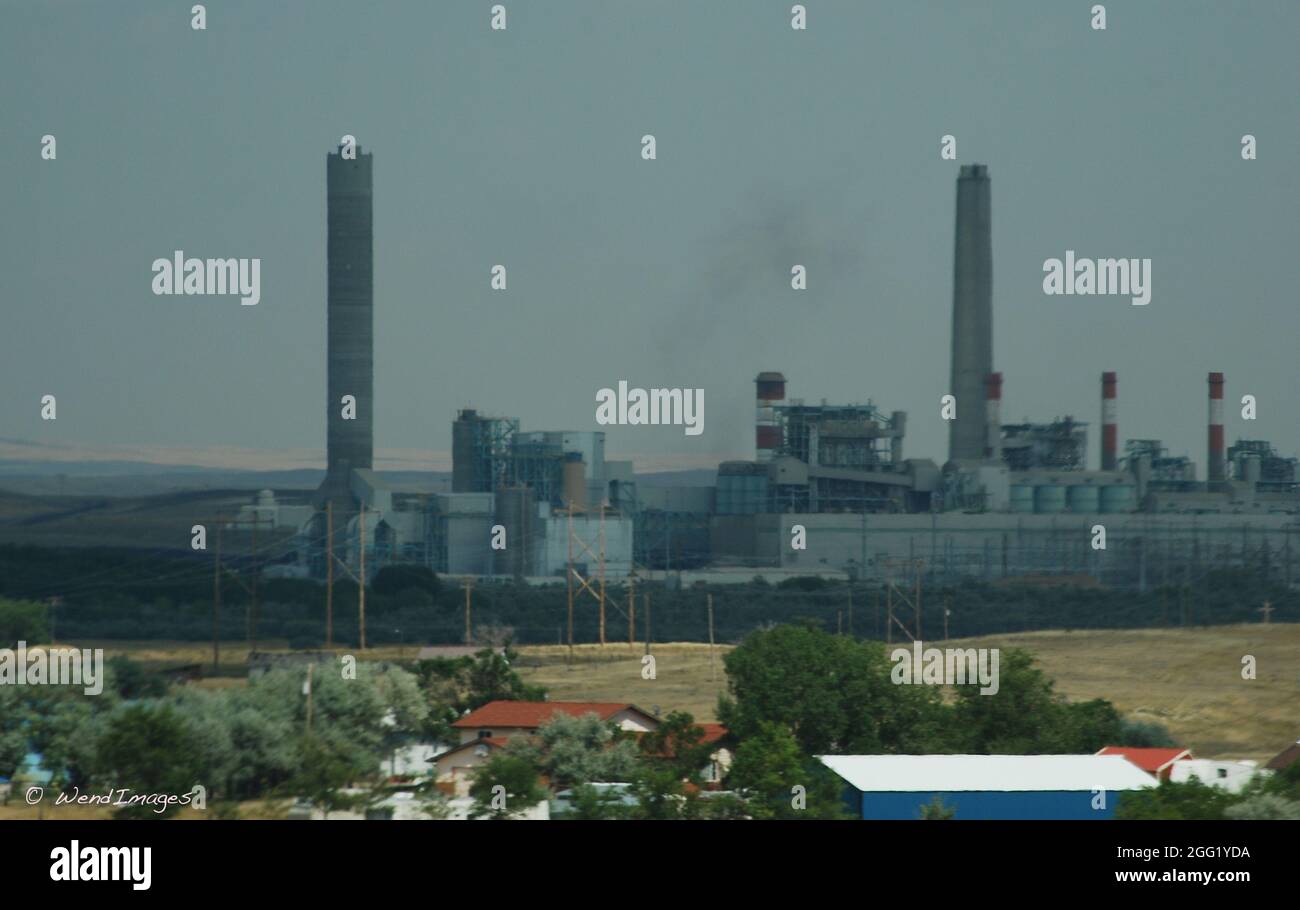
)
(901, 787)
(1011, 499)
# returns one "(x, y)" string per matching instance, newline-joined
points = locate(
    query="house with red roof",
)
(486, 730)
(1158, 762)
(1286, 758)
(454, 769)
(506, 719)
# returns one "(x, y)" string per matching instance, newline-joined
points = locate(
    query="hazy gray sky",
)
(522, 147)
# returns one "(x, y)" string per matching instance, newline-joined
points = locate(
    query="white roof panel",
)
(1003, 773)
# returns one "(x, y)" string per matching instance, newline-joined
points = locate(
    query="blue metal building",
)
(1069, 787)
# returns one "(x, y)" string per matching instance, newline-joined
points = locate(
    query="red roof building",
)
(1158, 762)
(1286, 758)
(518, 718)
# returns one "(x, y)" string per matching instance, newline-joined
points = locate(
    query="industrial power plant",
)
(1010, 501)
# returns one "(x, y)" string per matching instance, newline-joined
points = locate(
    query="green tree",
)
(132, 681)
(147, 749)
(769, 766)
(1090, 725)
(937, 810)
(580, 750)
(505, 787)
(834, 694)
(1143, 734)
(395, 580)
(323, 775)
(1186, 800)
(1264, 806)
(669, 777)
(491, 677)
(591, 803)
(23, 620)
(1027, 715)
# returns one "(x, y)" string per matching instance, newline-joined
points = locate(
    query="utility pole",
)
(602, 574)
(713, 671)
(917, 568)
(647, 622)
(253, 617)
(329, 574)
(569, 582)
(889, 606)
(216, 602)
(361, 599)
(469, 587)
(631, 610)
(1267, 610)
(947, 602)
(308, 687)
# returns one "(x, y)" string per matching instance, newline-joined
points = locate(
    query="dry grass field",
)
(1189, 680)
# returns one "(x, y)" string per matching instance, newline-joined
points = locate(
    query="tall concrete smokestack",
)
(972, 313)
(1109, 422)
(993, 417)
(350, 316)
(1215, 467)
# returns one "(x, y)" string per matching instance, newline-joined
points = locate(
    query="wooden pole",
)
(889, 609)
(256, 522)
(713, 670)
(361, 600)
(469, 634)
(310, 688)
(917, 569)
(569, 576)
(632, 611)
(216, 602)
(647, 622)
(329, 574)
(602, 574)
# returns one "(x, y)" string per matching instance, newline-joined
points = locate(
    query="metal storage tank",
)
(1118, 497)
(1049, 498)
(515, 508)
(1022, 497)
(1084, 498)
(575, 481)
